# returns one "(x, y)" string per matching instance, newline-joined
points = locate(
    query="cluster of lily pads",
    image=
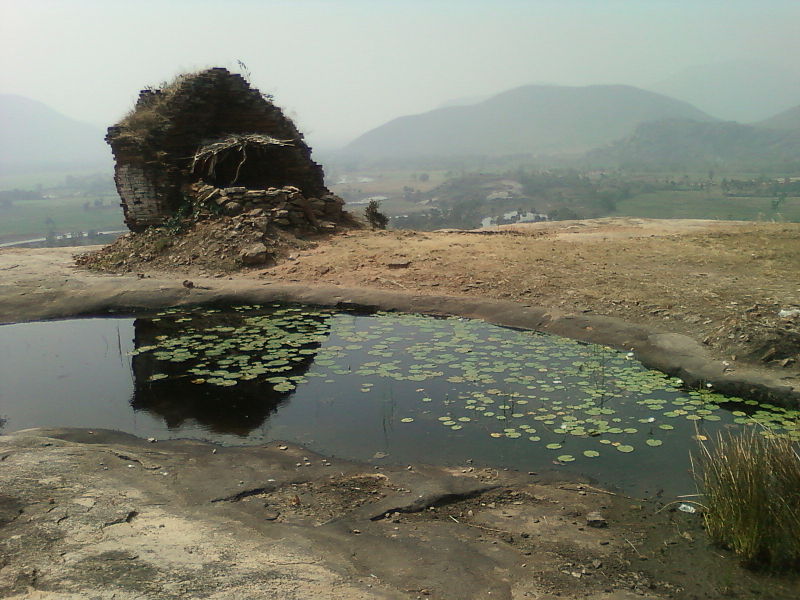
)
(466, 376)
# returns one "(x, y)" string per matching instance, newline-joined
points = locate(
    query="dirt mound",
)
(767, 334)
(201, 246)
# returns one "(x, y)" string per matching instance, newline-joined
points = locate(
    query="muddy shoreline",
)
(64, 291)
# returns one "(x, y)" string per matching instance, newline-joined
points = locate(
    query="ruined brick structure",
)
(211, 138)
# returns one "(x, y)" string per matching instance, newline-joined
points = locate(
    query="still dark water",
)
(382, 388)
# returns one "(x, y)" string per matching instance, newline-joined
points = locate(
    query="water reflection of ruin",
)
(236, 410)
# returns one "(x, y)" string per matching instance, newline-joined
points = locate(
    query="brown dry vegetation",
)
(719, 282)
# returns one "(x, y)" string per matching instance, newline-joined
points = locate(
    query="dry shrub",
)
(751, 484)
(147, 116)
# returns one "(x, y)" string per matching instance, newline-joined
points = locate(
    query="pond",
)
(383, 388)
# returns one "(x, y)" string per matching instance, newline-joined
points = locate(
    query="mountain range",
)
(681, 144)
(600, 125)
(787, 120)
(533, 119)
(34, 136)
(744, 90)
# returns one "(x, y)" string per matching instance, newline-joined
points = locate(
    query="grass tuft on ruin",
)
(149, 114)
(751, 485)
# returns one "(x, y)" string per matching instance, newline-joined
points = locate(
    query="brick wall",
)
(153, 154)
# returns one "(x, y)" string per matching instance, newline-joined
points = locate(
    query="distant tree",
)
(374, 216)
(563, 214)
(424, 177)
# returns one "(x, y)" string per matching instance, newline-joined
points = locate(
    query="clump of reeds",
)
(751, 486)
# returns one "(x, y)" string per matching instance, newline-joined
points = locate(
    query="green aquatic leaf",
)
(625, 448)
(591, 453)
(652, 442)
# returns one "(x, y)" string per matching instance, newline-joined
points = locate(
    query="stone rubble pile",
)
(284, 207)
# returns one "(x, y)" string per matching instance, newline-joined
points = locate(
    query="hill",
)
(534, 119)
(787, 120)
(33, 135)
(681, 143)
(747, 91)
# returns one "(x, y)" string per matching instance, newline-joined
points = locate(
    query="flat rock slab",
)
(103, 514)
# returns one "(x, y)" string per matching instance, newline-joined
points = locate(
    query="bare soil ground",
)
(719, 282)
(723, 283)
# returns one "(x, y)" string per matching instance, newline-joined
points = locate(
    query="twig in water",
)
(392, 281)
(476, 526)
(634, 547)
(584, 488)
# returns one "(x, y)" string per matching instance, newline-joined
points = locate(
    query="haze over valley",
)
(530, 91)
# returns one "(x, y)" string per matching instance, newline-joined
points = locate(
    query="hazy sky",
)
(340, 67)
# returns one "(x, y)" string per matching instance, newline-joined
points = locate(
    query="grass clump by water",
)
(751, 485)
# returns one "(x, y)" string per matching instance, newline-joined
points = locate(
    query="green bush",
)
(751, 485)
(374, 216)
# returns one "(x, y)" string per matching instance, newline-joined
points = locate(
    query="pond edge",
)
(674, 354)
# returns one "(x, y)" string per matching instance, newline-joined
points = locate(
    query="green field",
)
(29, 218)
(32, 204)
(46, 178)
(699, 205)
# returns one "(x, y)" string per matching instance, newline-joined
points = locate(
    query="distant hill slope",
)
(787, 120)
(742, 90)
(678, 143)
(32, 135)
(534, 119)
